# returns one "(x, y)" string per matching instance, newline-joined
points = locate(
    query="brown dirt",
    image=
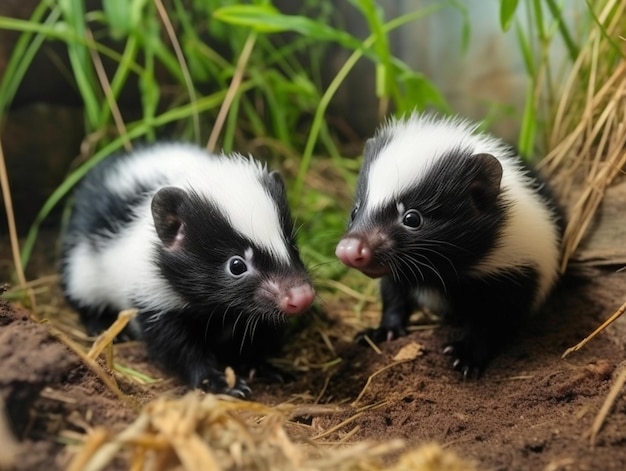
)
(531, 410)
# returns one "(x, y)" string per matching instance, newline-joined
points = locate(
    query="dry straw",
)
(588, 138)
(588, 143)
(218, 433)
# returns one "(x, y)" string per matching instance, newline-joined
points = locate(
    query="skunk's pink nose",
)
(353, 252)
(297, 300)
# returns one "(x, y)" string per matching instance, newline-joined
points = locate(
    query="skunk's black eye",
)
(355, 210)
(412, 219)
(237, 266)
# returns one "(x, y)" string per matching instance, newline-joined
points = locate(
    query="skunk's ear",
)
(485, 187)
(372, 148)
(275, 186)
(166, 204)
(278, 179)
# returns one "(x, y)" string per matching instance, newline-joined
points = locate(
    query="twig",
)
(603, 326)
(318, 398)
(232, 90)
(96, 368)
(41, 281)
(606, 407)
(371, 343)
(95, 441)
(372, 376)
(347, 290)
(350, 434)
(106, 337)
(15, 245)
(181, 61)
(327, 342)
(108, 93)
(314, 410)
(374, 406)
(97, 454)
(337, 427)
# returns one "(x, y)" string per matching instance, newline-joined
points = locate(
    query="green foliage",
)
(281, 101)
(25, 49)
(507, 13)
(546, 25)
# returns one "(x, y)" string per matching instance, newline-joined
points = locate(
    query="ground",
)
(531, 410)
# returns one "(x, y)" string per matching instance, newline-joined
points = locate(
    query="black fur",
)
(462, 213)
(98, 210)
(225, 321)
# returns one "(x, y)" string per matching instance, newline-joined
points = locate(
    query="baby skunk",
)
(452, 220)
(202, 245)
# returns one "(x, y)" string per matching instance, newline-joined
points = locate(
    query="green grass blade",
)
(526, 50)
(128, 371)
(61, 32)
(23, 55)
(526, 142)
(74, 14)
(572, 49)
(121, 75)
(232, 122)
(385, 85)
(507, 13)
(267, 19)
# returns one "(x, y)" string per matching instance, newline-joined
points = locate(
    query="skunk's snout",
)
(297, 299)
(354, 252)
(291, 295)
(358, 252)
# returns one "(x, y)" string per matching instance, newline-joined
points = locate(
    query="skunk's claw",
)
(380, 334)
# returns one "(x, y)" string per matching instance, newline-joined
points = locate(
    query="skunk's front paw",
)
(469, 359)
(216, 382)
(380, 334)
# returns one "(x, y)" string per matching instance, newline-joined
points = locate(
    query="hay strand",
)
(106, 338)
(588, 142)
(219, 433)
(618, 384)
(602, 326)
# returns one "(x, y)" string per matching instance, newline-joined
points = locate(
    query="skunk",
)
(202, 245)
(453, 221)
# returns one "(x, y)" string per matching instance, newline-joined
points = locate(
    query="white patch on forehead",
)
(233, 184)
(413, 147)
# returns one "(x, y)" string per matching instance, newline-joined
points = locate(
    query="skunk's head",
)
(226, 243)
(427, 202)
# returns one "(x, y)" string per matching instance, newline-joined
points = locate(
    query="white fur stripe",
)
(414, 146)
(232, 183)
